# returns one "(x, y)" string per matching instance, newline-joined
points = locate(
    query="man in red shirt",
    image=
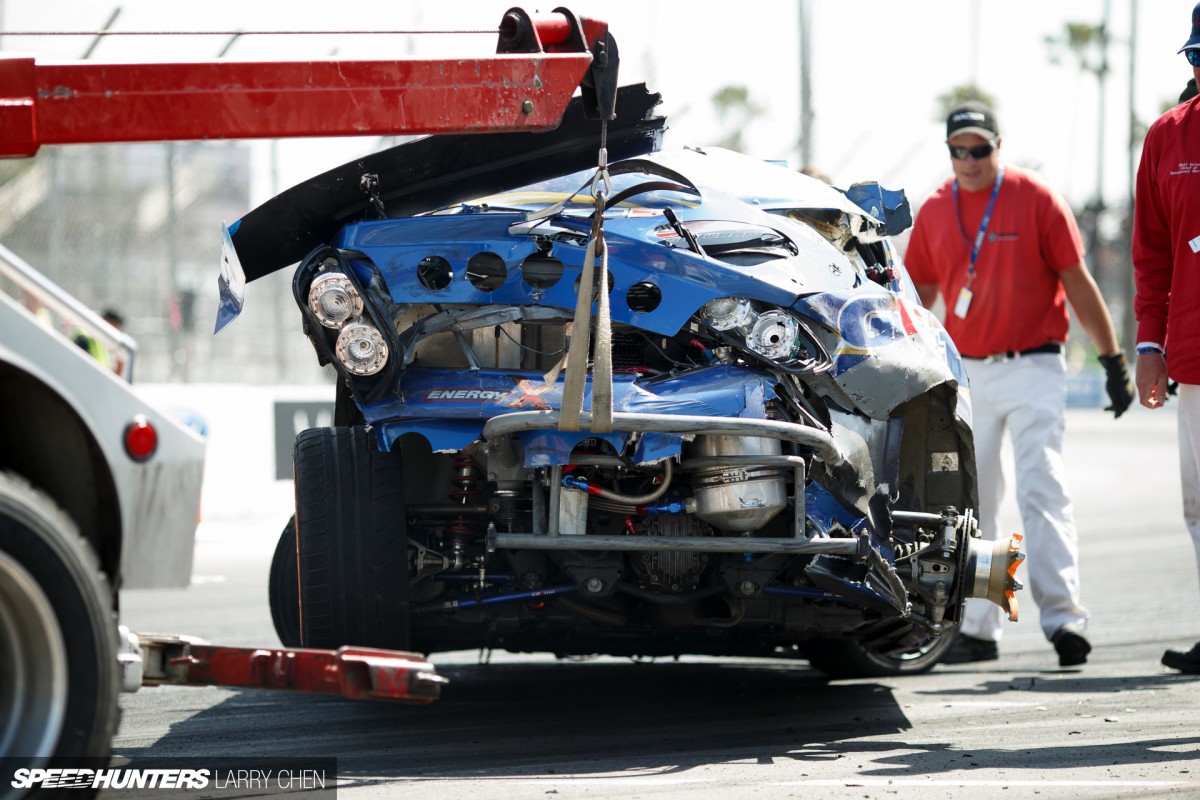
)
(1166, 266)
(1003, 249)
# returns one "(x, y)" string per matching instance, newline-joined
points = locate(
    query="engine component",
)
(671, 571)
(572, 511)
(619, 501)
(512, 509)
(737, 498)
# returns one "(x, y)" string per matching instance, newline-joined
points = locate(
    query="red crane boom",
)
(540, 61)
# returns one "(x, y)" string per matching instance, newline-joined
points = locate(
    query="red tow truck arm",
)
(539, 63)
(359, 673)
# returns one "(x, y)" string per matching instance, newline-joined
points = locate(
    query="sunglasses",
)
(977, 152)
(1193, 57)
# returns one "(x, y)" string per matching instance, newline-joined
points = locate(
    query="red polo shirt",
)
(1018, 298)
(1166, 240)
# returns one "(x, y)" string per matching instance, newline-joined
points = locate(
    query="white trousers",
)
(1028, 396)
(1189, 459)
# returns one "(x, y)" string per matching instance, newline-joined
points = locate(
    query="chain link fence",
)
(136, 228)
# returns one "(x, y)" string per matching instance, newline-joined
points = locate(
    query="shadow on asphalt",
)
(506, 720)
(1076, 753)
(1061, 681)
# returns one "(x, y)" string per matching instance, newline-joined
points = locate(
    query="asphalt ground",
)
(530, 726)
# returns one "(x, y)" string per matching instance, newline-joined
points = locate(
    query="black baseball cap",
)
(972, 117)
(1193, 43)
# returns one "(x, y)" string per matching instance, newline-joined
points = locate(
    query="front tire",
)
(852, 658)
(352, 542)
(59, 678)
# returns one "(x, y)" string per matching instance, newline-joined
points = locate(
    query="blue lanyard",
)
(983, 223)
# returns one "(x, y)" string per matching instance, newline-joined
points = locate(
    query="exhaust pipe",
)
(992, 571)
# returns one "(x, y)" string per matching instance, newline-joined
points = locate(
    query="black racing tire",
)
(352, 542)
(850, 658)
(283, 588)
(59, 677)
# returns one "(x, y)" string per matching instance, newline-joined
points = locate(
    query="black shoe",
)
(1071, 647)
(968, 649)
(1188, 663)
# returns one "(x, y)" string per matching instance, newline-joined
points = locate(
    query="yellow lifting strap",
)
(593, 275)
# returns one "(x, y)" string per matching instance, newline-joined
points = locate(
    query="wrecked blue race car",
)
(747, 438)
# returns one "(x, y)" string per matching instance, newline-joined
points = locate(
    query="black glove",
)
(1117, 384)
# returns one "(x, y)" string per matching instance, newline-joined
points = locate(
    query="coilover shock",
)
(465, 478)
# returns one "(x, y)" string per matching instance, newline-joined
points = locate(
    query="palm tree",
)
(737, 108)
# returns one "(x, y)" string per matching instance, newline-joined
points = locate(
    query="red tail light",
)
(141, 440)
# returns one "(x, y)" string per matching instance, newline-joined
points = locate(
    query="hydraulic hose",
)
(642, 499)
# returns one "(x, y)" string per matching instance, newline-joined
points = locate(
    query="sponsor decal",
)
(525, 394)
(528, 396)
(464, 395)
(871, 322)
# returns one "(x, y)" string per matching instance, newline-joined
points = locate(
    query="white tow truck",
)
(99, 491)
